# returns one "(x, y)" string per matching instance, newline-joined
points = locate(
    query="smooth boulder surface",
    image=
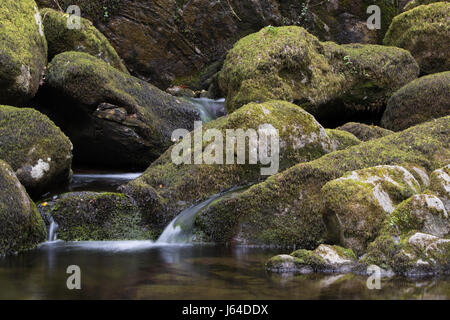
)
(21, 226)
(365, 132)
(419, 101)
(112, 118)
(287, 209)
(84, 39)
(335, 83)
(91, 216)
(23, 51)
(440, 185)
(357, 203)
(166, 188)
(37, 150)
(425, 32)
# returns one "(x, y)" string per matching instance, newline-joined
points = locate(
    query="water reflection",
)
(145, 270)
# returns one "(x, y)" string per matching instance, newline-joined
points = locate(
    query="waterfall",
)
(180, 229)
(209, 109)
(52, 235)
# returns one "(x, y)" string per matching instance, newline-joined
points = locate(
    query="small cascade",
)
(52, 235)
(209, 109)
(180, 229)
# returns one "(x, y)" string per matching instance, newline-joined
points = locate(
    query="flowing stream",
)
(209, 109)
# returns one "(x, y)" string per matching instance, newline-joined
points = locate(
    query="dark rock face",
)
(173, 42)
(112, 118)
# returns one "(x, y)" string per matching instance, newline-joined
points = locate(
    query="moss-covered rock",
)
(112, 118)
(422, 212)
(440, 185)
(342, 139)
(85, 216)
(358, 203)
(425, 32)
(331, 82)
(23, 51)
(421, 100)
(287, 208)
(414, 254)
(364, 132)
(84, 39)
(37, 150)
(324, 259)
(415, 3)
(21, 226)
(166, 188)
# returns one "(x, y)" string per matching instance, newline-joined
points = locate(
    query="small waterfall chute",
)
(180, 229)
(209, 109)
(52, 235)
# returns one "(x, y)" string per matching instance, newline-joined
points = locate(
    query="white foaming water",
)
(52, 235)
(209, 109)
(118, 176)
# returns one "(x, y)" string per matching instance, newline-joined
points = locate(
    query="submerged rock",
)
(84, 39)
(287, 208)
(357, 203)
(112, 118)
(324, 259)
(166, 188)
(21, 226)
(365, 132)
(23, 51)
(90, 216)
(425, 32)
(334, 83)
(37, 150)
(421, 100)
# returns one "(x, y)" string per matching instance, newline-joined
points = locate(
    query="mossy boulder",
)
(23, 51)
(21, 226)
(424, 213)
(342, 139)
(440, 185)
(111, 117)
(287, 209)
(415, 254)
(358, 203)
(37, 150)
(324, 259)
(334, 83)
(421, 100)
(166, 188)
(415, 3)
(425, 32)
(365, 132)
(84, 39)
(86, 216)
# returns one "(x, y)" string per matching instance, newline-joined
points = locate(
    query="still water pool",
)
(144, 270)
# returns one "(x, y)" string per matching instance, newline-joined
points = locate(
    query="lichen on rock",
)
(364, 132)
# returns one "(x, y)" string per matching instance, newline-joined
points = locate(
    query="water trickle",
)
(52, 235)
(209, 109)
(180, 229)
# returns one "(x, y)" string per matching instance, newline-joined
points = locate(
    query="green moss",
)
(324, 78)
(23, 51)
(90, 216)
(415, 3)
(364, 132)
(287, 208)
(27, 136)
(21, 226)
(424, 31)
(178, 186)
(410, 105)
(343, 139)
(86, 39)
